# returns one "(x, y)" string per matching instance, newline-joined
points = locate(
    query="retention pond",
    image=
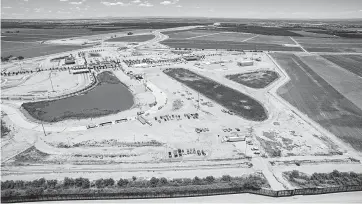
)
(110, 96)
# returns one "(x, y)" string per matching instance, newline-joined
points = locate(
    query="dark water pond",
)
(109, 97)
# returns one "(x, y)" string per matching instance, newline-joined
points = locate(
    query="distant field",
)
(235, 37)
(280, 40)
(345, 82)
(312, 95)
(348, 62)
(135, 38)
(330, 44)
(315, 35)
(309, 40)
(29, 50)
(239, 103)
(203, 44)
(30, 35)
(183, 34)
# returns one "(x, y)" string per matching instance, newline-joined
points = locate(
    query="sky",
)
(260, 9)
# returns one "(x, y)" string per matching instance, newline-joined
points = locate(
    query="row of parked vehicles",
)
(90, 126)
(181, 152)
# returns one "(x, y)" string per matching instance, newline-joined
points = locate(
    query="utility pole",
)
(51, 82)
(198, 100)
(43, 129)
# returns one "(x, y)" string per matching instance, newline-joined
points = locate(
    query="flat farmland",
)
(348, 62)
(239, 103)
(268, 39)
(32, 35)
(345, 82)
(188, 33)
(311, 40)
(315, 97)
(29, 50)
(330, 44)
(235, 37)
(135, 38)
(203, 44)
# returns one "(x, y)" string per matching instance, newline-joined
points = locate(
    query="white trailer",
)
(233, 139)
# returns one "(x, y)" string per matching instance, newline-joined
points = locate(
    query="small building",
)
(245, 63)
(191, 58)
(233, 138)
(69, 60)
(79, 71)
(142, 65)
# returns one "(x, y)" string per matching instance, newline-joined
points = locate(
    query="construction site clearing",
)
(171, 130)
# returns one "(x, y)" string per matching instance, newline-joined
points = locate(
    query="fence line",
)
(175, 194)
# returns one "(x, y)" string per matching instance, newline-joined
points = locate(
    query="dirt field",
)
(257, 80)
(349, 62)
(136, 38)
(315, 97)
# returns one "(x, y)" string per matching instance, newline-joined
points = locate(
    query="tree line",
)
(42, 186)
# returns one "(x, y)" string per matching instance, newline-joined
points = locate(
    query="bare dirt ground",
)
(131, 148)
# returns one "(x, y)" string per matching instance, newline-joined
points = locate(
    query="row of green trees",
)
(83, 185)
(334, 178)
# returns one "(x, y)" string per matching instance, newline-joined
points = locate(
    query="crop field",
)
(188, 33)
(345, 82)
(256, 80)
(201, 44)
(330, 44)
(235, 37)
(267, 39)
(311, 40)
(314, 35)
(136, 38)
(312, 95)
(32, 35)
(29, 50)
(349, 62)
(231, 99)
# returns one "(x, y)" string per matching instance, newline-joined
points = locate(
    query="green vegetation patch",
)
(256, 80)
(4, 129)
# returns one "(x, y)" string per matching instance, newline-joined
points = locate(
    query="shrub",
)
(210, 179)
(196, 181)
(99, 183)
(294, 174)
(68, 182)
(134, 178)
(154, 182)
(122, 182)
(34, 191)
(163, 181)
(226, 178)
(51, 183)
(85, 183)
